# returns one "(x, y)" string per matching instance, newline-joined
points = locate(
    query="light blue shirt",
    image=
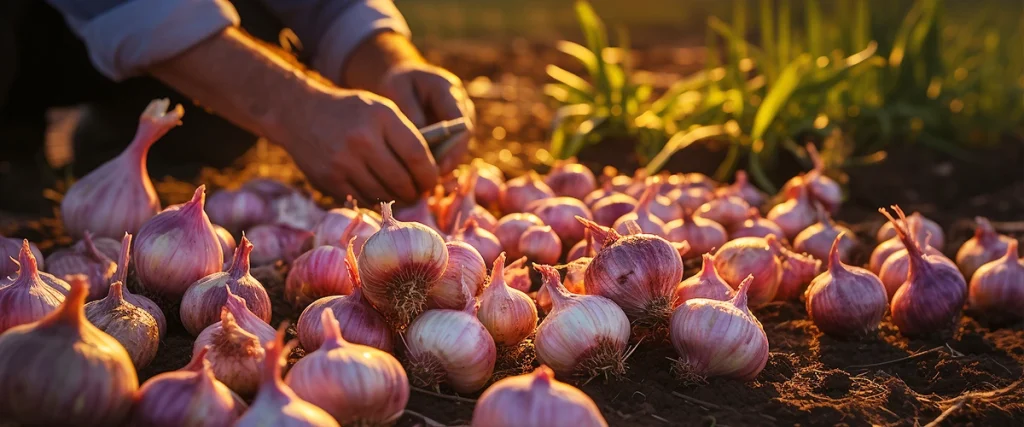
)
(124, 37)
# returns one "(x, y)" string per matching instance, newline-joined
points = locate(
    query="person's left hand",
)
(389, 65)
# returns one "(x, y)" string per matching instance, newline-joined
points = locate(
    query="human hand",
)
(355, 142)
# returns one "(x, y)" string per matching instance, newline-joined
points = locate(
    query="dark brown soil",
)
(972, 374)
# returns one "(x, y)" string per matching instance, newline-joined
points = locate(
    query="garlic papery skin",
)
(227, 243)
(277, 242)
(882, 253)
(718, 338)
(647, 221)
(560, 213)
(27, 299)
(118, 196)
(234, 353)
(316, 274)
(333, 225)
(296, 209)
(540, 244)
(575, 274)
(920, 225)
(795, 214)
(62, 371)
(754, 226)
(355, 316)
(177, 247)
(482, 240)
(276, 404)
(238, 210)
(609, 209)
(726, 211)
(934, 293)
(9, 249)
(846, 300)
(464, 265)
(356, 384)
(83, 258)
(517, 276)
(665, 209)
(242, 317)
(797, 271)
(745, 256)
(450, 346)
(821, 188)
(190, 396)
(200, 307)
(131, 326)
(639, 272)
(519, 192)
(705, 284)
(703, 235)
(817, 239)
(896, 267)
(986, 246)
(584, 335)
(508, 314)
(510, 228)
(570, 179)
(997, 288)
(137, 300)
(398, 266)
(535, 399)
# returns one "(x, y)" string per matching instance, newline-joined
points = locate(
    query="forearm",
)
(241, 80)
(374, 56)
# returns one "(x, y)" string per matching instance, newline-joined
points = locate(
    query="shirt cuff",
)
(348, 30)
(129, 38)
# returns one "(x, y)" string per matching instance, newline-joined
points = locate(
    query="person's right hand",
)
(355, 142)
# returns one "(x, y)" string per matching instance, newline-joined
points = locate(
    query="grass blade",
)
(679, 141)
(778, 95)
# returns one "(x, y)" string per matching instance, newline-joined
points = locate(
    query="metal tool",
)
(441, 136)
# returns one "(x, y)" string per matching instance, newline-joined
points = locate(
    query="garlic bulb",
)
(482, 240)
(690, 199)
(190, 396)
(450, 346)
(521, 191)
(846, 300)
(461, 206)
(796, 213)
(582, 334)
(511, 227)
(934, 293)
(540, 244)
(317, 274)
(464, 264)
(745, 256)
(234, 353)
(575, 274)
(894, 270)
(118, 196)
(727, 211)
(355, 316)
(327, 378)
(508, 314)
(27, 298)
(398, 266)
(821, 188)
(647, 221)
(137, 300)
(419, 212)
(9, 249)
(332, 228)
(131, 326)
(227, 243)
(638, 272)
(986, 246)
(238, 210)
(920, 225)
(535, 399)
(997, 288)
(817, 239)
(296, 209)
(797, 271)
(267, 188)
(703, 235)
(570, 179)
(83, 258)
(719, 338)
(744, 190)
(61, 370)
(560, 213)
(276, 404)
(277, 242)
(754, 226)
(705, 284)
(609, 209)
(200, 306)
(488, 183)
(177, 247)
(517, 276)
(242, 318)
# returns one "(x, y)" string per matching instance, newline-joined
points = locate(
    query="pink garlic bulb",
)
(137, 300)
(540, 244)
(986, 246)
(797, 271)
(188, 396)
(570, 179)
(118, 196)
(267, 188)
(27, 299)
(754, 226)
(83, 258)
(726, 211)
(822, 189)
(177, 247)
(517, 275)
(227, 242)
(927, 226)
(277, 242)
(465, 266)
(896, 267)
(517, 193)
(560, 213)
(997, 288)
(321, 271)
(745, 256)
(238, 210)
(130, 325)
(795, 214)
(485, 242)
(508, 314)
(511, 227)
(817, 239)
(200, 306)
(331, 228)
(846, 300)
(575, 274)
(647, 221)
(535, 399)
(488, 183)
(703, 235)
(609, 209)
(691, 199)
(418, 212)
(744, 190)
(718, 338)
(9, 248)
(234, 352)
(605, 190)
(459, 205)
(296, 209)
(705, 284)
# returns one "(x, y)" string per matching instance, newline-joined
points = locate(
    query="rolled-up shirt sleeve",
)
(124, 37)
(331, 29)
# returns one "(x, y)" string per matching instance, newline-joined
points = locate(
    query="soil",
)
(970, 376)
